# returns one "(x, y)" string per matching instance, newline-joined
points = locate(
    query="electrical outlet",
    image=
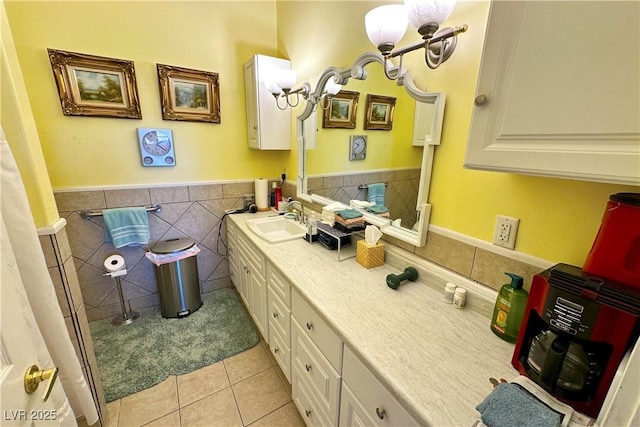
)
(505, 231)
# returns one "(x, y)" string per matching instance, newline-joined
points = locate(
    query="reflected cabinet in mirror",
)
(397, 127)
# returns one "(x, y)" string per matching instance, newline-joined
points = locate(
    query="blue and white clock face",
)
(156, 147)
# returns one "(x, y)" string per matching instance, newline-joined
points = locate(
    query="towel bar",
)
(86, 214)
(365, 186)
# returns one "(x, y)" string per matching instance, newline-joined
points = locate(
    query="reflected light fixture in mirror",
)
(385, 26)
(281, 82)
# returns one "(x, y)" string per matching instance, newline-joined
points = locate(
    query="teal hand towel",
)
(377, 209)
(510, 405)
(126, 226)
(376, 193)
(349, 213)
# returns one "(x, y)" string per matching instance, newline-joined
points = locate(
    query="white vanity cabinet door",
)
(268, 127)
(253, 283)
(313, 372)
(558, 91)
(232, 251)
(373, 402)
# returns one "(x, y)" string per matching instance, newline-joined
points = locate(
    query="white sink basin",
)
(277, 228)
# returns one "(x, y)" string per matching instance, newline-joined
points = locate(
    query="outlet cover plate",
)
(505, 231)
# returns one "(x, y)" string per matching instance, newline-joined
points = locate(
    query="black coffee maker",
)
(575, 331)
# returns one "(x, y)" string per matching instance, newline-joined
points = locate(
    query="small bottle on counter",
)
(449, 290)
(459, 297)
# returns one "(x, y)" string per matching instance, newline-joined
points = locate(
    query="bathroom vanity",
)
(357, 351)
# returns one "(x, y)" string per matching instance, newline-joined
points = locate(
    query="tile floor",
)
(247, 389)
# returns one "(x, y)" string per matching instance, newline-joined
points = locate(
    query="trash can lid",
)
(170, 246)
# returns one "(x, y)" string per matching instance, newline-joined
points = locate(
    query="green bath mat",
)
(147, 351)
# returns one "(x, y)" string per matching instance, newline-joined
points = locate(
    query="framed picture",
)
(379, 115)
(341, 112)
(190, 95)
(91, 85)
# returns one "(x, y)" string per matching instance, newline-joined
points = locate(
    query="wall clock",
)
(156, 147)
(358, 147)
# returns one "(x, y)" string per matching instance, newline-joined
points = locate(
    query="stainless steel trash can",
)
(178, 283)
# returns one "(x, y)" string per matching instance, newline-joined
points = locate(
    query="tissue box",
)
(370, 255)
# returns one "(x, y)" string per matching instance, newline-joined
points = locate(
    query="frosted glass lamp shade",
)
(285, 79)
(421, 12)
(386, 24)
(332, 87)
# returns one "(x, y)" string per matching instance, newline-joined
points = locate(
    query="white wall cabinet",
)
(558, 91)
(268, 127)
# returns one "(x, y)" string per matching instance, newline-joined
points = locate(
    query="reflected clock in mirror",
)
(156, 147)
(358, 147)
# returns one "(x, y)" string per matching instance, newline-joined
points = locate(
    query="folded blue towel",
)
(377, 209)
(349, 213)
(510, 405)
(376, 193)
(126, 226)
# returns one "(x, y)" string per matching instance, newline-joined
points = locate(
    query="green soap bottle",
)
(509, 309)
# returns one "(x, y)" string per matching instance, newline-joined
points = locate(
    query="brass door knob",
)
(34, 376)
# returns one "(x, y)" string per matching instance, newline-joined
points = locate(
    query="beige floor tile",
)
(170, 420)
(287, 415)
(283, 378)
(247, 363)
(260, 395)
(218, 409)
(150, 404)
(113, 413)
(201, 383)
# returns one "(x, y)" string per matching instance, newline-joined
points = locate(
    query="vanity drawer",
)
(279, 315)
(307, 406)
(376, 400)
(281, 351)
(315, 371)
(317, 329)
(232, 231)
(254, 256)
(280, 285)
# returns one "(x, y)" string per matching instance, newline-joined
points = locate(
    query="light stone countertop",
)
(435, 359)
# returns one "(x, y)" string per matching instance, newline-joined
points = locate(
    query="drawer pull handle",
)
(276, 349)
(275, 315)
(309, 325)
(380, 413)
(307, 367)
(307, 412)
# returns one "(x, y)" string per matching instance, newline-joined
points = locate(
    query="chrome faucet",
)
(300, 216)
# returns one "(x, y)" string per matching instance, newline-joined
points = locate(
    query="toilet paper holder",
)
(116, 267)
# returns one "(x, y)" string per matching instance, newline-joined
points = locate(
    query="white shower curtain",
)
(18, 224)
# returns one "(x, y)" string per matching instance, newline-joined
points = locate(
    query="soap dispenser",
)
(509, 309)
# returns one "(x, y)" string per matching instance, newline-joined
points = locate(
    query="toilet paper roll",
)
(261, 188)
(114, 263)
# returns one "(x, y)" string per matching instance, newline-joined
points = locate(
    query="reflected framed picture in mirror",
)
(379, 114)
(341, 112)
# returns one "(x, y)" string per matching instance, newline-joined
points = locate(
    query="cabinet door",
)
(558, 91)
(352, 413)
(258, 300)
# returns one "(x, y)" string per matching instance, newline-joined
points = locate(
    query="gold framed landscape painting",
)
(379, 114)
(190, 95)
(341, 112)
(90, 85)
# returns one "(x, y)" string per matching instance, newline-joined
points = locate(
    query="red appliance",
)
(575, 331)
(615, 253)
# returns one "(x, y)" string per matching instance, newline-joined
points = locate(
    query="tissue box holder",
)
(368, 255)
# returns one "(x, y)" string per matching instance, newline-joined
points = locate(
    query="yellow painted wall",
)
(559, 217)
(21, 133)
(215, 36)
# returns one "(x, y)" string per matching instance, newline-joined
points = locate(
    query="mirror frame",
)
(358, 71)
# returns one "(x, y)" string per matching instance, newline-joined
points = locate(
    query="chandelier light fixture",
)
(386, 25)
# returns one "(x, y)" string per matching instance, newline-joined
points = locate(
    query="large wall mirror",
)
(399, 145)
